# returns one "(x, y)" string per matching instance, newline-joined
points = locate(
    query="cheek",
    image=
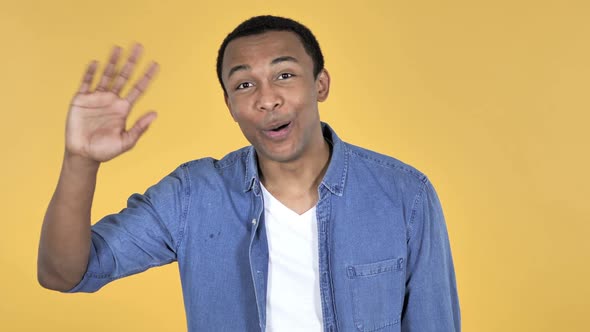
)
(237, 108)
(307, 102)
(304, 99)
(246, 118)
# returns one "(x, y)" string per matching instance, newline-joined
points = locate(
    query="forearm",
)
(64, 246)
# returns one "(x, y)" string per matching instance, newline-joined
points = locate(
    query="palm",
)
(96, 125)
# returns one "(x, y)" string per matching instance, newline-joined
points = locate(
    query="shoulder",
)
(403, 184)
(386, 166)
(209, 173)
(237, 158)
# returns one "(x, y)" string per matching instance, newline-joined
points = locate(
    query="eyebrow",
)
(283, 59)
(275, 61)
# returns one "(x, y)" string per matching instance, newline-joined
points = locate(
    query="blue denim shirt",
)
(384, 257)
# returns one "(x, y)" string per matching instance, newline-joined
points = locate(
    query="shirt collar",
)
(251, 181)
(335, 177)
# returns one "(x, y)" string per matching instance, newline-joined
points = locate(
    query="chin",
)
(281, 156)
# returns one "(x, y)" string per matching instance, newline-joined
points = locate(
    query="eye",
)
(244, 85)
(285, 76)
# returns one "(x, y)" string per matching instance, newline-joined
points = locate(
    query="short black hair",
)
(264, 23)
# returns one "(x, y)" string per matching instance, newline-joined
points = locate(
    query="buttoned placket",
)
(258, 254)
(259, 258)
(323, 210)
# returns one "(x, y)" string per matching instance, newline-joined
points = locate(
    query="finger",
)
(127, 70)
(109, 70)
(141, 125)
(88, 76)
(142, 84)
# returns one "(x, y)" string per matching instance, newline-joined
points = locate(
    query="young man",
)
(300, 230)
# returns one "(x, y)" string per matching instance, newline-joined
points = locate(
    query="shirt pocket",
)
(377, 291)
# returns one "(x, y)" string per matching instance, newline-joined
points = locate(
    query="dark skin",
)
(274, 88)
(95, 132)
(269, 81)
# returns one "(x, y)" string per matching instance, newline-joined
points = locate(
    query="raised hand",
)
(96, 123)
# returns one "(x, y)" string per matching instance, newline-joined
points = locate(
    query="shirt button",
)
(253, 221)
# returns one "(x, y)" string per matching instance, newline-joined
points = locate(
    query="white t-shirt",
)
(293, 294)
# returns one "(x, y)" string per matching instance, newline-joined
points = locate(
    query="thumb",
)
(131, 136)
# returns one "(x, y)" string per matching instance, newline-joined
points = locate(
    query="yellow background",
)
(488, 98)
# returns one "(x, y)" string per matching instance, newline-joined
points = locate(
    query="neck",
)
(300, 176)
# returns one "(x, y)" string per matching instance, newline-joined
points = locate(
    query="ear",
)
(228, 104)
(323, 85)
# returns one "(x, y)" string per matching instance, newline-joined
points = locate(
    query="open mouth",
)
(279, 132)
(281, 127)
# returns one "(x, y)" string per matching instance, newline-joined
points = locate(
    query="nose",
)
(268, 98)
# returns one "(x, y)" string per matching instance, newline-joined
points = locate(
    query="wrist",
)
(78, 162)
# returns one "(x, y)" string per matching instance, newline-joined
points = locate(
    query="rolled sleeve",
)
(143, 235)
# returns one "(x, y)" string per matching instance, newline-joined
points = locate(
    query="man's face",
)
(273, 95)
